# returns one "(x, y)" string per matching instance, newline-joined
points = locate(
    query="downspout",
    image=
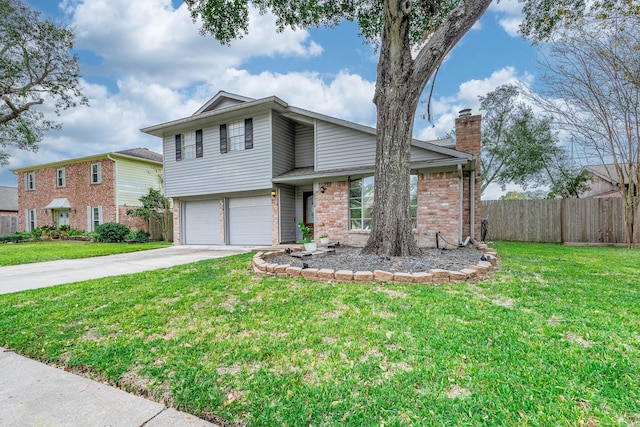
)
(460, 204)
(472, 205)
(115, 186)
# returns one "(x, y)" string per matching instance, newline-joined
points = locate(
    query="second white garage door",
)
(202, 222)
(250, 220)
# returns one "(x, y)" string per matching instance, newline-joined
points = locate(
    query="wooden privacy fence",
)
(155, 230)
(8, 224)
(587, 221)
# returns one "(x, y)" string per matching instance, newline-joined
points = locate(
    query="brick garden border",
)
(262, 266)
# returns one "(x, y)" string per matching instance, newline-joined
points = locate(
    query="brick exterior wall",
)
(176, 221)
(275, 219)
(78, 190)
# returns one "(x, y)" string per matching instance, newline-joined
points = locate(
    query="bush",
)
(138, 236)
(16, 237)
(111, 232)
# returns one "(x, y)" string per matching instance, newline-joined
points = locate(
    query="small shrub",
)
(138, 236)
(17, 237)
(111, 232)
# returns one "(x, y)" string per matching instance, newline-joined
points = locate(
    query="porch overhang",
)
(61, 203)
(302, 176)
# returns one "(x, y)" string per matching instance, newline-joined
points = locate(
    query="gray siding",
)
(224, 103)
(340, 147)
(283, 144)
(305, 155)
(287, 203)
(420, 154)
(220, 173)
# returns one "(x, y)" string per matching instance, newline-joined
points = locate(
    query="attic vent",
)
(465, 112)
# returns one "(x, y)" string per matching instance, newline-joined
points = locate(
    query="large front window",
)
(361, 203)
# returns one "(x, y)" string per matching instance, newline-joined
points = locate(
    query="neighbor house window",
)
(32, 220)
(61, 180)
(361, 203)
(30, 181)
(236, 136)
(96, 173)
(189, 145)
(94, 217)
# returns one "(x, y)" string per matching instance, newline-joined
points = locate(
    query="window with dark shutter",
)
(223, 139)
(248, 134)
(178, 148)
(199, 143)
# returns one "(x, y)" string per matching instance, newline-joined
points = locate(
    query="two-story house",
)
(245, 171)
(85, 192)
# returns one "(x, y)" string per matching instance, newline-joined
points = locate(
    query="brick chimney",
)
(468, 141)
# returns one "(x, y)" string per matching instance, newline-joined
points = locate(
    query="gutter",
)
(460, 204)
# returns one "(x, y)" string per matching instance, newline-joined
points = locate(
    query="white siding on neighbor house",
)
(287, 203)
(201, 222)
(220, 173)
(304, 147)
(134, 179)
(283, 144)
(250, 220)
(340, 147)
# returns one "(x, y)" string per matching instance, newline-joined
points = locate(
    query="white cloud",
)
(511, 15)
(445, 110)
(152, 39)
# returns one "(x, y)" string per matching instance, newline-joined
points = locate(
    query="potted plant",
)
(324, 237)
(307, 240)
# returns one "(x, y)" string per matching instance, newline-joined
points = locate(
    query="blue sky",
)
(144, 62)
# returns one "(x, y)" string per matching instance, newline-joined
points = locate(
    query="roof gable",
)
(222, 100)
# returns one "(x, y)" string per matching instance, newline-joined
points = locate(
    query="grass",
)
(552, 339)
(26, 253)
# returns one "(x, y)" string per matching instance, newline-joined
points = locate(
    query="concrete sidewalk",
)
(17, 278)
(35, 394)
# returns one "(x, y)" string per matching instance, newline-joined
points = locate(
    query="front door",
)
(309, 210)
(62, 217)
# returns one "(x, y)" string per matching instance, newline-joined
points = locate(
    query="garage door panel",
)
(250, 220)
(202, 222)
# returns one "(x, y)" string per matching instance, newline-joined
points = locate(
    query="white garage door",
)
(202, 222)
(250, 220)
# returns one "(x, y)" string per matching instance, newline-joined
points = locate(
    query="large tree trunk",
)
(396, 100)
(400, 82)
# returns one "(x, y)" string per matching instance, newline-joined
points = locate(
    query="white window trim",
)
(28, 181)
(236, 142)
(188, 145)
(98, 173)
(62, 178)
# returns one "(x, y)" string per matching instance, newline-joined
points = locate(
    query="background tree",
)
(155, 206)
(516, 144)
(35, 63)
(413, 38)
(591, 86)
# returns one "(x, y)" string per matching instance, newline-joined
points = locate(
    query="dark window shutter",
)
(248, 134)
(178, 148)
(199, 143)
(223, 139)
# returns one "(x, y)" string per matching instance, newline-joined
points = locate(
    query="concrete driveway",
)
(42, 274)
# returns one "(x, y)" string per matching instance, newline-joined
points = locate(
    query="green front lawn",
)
(26, 253)
(552, 339)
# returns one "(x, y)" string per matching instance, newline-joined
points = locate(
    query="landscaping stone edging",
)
(473, 272)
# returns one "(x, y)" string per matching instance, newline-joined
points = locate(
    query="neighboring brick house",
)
(243, 171)
(87, 191)
(8, 209)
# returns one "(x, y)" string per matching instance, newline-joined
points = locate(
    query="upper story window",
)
(30, 181)
(189, 145)
(61, 179)
(236, 136)
(361, 203)
(96, 173)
